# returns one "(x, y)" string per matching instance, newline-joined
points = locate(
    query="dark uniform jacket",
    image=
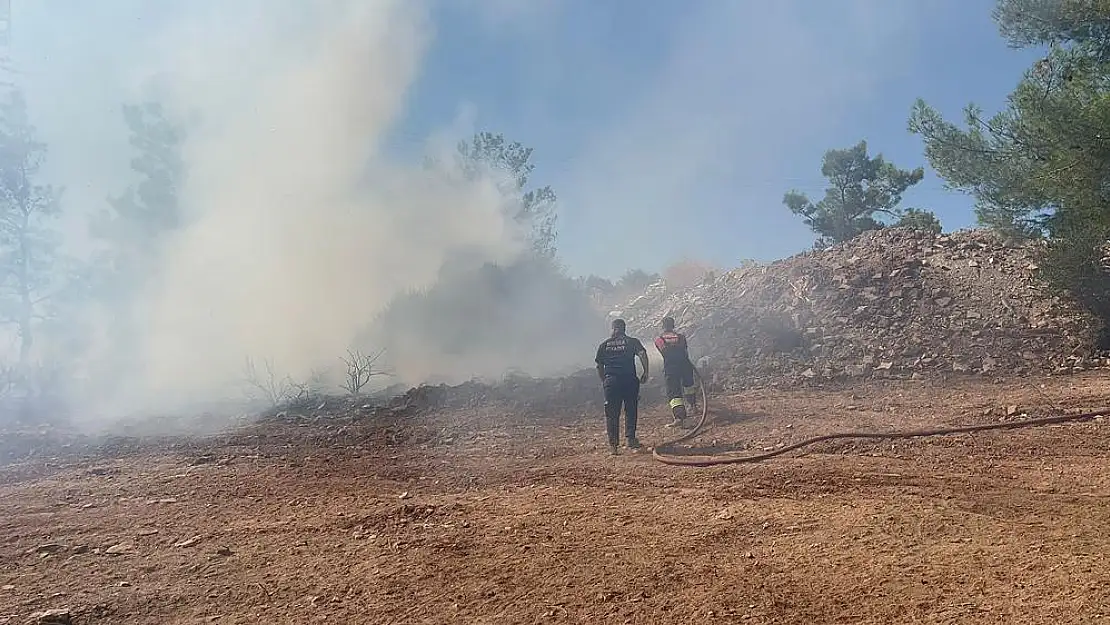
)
(617, 356)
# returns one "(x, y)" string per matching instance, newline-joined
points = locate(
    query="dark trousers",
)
(679, 383)
(679, 380)
(621, 392)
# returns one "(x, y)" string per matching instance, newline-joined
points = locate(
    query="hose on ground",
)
(660, 451)
(665, 452)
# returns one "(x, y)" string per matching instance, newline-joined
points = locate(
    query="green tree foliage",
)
(919, 219)
(29, 246)
(607, 294)
(1041, 167)
(862, 191)
(1064, 23)
(600, 290)
(597, 283)
(633, 281)
(636, 280)
(487, 151)
(137, 222)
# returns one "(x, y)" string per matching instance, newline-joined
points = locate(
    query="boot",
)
(692, 402)
(678, 413)
(633, 443)
(614, 450)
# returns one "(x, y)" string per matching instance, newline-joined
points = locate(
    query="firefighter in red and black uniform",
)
(678, 371)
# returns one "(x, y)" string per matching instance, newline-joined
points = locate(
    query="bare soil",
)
(477, 516)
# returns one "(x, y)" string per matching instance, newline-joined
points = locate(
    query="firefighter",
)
(678, 372)
(616, 366)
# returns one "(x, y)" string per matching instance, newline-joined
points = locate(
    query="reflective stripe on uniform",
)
(676, 402)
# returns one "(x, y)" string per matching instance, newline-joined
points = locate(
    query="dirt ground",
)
(482, 517)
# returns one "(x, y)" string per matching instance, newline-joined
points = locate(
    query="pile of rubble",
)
(891, 303)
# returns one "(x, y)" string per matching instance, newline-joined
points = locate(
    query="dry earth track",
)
(482, 517)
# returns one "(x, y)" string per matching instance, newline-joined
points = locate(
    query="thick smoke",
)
(299, 228)
(481, 321)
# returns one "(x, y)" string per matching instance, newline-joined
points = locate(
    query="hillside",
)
(891, 303)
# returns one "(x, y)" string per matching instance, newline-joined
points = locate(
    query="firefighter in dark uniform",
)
(616, 366)
(678, 372)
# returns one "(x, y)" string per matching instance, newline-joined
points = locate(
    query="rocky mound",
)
(891, 303)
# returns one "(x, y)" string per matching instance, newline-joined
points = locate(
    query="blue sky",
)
(669, 129)
(672, 129)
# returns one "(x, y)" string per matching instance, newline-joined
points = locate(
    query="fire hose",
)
(665, 452)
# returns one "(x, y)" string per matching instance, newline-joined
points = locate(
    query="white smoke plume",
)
(299, 227)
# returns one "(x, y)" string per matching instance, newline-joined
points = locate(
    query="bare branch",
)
(276, 389)
(360, 370)
(303, 391)
(273, 389)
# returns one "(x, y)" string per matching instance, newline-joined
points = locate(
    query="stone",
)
(48, 549)
(52, 617)
(188, 542)
(119, 550)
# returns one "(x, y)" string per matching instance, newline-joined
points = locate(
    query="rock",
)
(188, 542)
(52, 617)
(47, 549)
(119, 550)
(855, 371)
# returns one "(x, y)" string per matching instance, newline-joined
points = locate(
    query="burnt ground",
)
(477, 516)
